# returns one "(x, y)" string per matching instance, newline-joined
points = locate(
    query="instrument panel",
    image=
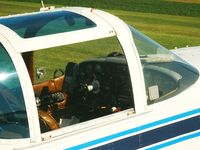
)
(103, 86)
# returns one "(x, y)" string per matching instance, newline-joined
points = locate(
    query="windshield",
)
(165, 74)
(13, 118)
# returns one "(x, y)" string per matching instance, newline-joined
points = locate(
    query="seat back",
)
(47, 122)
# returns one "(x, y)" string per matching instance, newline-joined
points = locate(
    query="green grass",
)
(169, 30)
(73, 53)
(173, 7)
(10, 7)
(173, 23)
(185, 1)
(166, 21)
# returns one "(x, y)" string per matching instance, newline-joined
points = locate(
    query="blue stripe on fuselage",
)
(151, 136)
(155, 135)
(174, 141)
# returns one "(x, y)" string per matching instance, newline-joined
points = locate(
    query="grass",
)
(173, 7)
(10, 7)
(185, 1)
(173, 23)
(169, 30)
(73, 53)
(168, 22)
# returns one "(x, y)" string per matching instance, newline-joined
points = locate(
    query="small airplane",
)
(80, 78)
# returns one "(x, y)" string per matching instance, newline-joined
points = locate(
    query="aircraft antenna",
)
(42, 4)
(43, 8)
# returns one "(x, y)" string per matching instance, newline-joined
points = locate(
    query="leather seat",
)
(47, 122)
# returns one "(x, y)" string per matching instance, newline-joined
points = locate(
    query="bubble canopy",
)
(41, 24)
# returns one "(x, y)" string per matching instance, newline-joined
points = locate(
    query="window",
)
(49, 23)
(80, 82)
(165, 74)
(13, 118)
